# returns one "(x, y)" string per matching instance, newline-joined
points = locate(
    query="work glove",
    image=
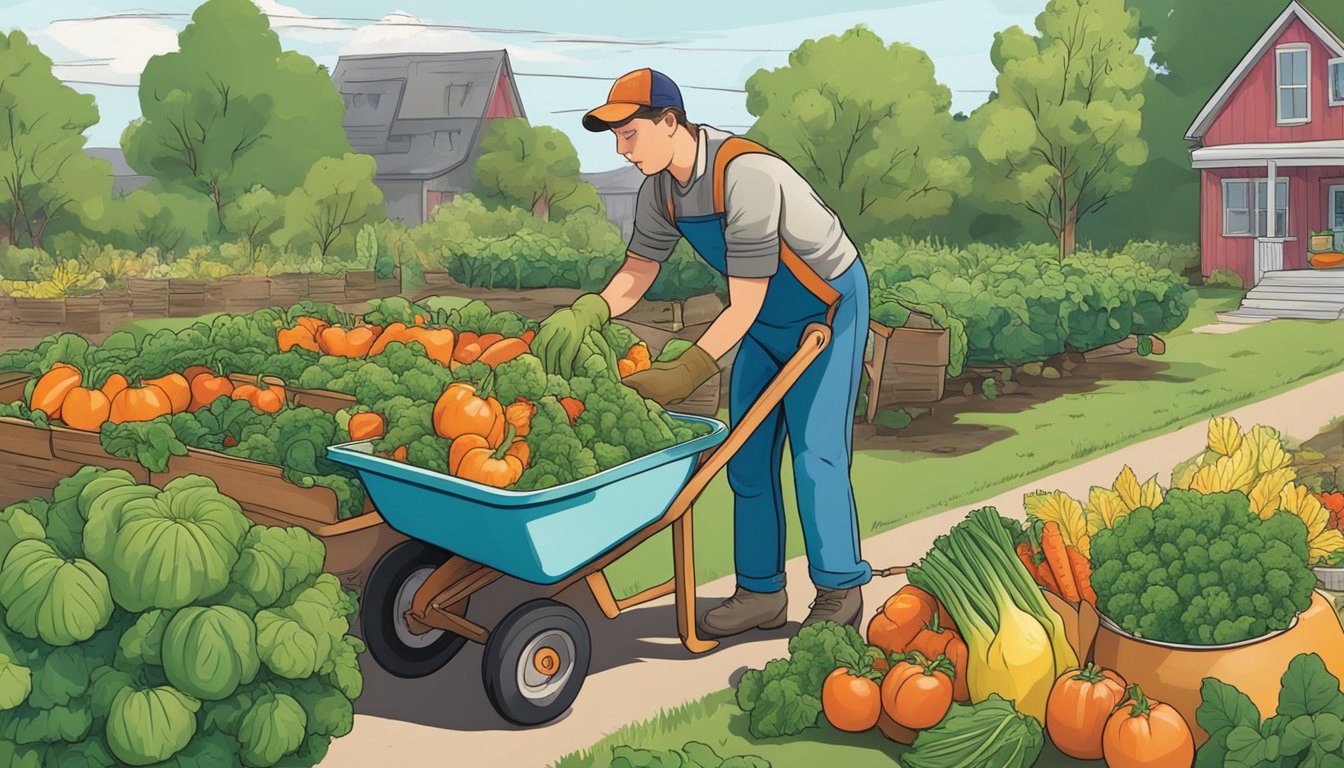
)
(671, 382)
(558, 340)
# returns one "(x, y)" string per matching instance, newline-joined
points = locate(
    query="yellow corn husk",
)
(1268, 487)
(1127, 485)
(1104, 508)
(1270, 454)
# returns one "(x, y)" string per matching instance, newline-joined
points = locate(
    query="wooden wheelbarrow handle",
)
(814, 340)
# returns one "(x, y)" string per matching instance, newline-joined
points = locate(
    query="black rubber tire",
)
(504, 653)
(378, 613)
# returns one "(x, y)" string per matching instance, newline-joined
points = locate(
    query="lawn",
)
(715, 720)
(1206, 374)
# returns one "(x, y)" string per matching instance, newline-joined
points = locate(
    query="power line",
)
(609, 79)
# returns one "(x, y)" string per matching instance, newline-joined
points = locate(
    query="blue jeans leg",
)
(754, 476)
(819, 414)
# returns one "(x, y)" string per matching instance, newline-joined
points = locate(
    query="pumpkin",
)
(936, 640)
(139, 403)
(393, 332)
(114, 384)
(574, 409)
(503, 351)
(347, 342)
(313, 324)
(52, 388)
(267, 397)
(206, 388)
(1147, 734)
(438, 343)
(298, 336)
(460, 411)
(366, 426)
(917, 692)
(470, 457)
(85, 409)
(193, 371)
(177, 388)
(1080, 704)
(519, 416)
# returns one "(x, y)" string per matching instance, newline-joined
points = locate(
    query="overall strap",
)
(815, 284)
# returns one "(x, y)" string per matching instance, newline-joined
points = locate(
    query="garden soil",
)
(639, 668)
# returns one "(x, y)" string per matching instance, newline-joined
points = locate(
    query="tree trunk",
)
(1068, 240)
(541, 208)
(678, 315)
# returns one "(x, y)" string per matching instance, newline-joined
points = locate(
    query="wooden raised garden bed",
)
(907, 365)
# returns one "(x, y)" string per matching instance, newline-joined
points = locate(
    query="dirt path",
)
(638, 668)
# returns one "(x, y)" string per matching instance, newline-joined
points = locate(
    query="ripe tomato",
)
(851, 702)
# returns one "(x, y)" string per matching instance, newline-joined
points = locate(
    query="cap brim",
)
(603, 117)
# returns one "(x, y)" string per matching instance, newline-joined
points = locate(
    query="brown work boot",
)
(843, 606)
(745, 610)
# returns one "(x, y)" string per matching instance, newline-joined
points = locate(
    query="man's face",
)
(646, 144)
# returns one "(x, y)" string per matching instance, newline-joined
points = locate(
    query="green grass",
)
(715, 720)
(1208, 374)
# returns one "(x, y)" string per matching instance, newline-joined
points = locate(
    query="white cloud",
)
(116, 48)
(403, 33)
(291, 22)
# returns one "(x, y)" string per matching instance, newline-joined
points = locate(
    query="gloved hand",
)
(671, 382)
(558, 339)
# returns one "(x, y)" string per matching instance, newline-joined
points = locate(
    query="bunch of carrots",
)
(1056, 564)
(443, 345)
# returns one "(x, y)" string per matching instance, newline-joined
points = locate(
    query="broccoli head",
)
(522, 377)
(558, 455)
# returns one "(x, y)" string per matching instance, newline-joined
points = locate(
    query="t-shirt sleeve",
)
(654, 234)
(753, 202)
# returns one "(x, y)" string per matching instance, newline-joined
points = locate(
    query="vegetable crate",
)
(907, 365)
(465, 536)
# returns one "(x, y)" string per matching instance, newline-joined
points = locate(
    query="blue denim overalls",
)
(817, 414)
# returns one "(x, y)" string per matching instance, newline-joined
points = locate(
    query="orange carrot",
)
(502, 351)
(1045, 578)
(1024, 554)
(1057, 556)
(1082, 575)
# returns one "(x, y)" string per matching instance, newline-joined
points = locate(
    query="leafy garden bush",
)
(1224, 278)
(1019, 304)
(1176, 257)
(160, 626)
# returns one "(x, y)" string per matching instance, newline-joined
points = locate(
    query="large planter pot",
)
(1322, 242)
(1330, 579)
(1173, 674)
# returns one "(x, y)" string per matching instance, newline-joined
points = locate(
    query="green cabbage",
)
(209, 652)
(272, 729)
(148, 726)
(46, 596)
(188, 530)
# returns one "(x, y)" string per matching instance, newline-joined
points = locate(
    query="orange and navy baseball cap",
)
(633, 91)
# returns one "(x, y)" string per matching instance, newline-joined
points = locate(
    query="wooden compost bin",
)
(33, 460)
(907, 365)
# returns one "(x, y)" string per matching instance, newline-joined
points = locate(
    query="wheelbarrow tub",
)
(540, 536)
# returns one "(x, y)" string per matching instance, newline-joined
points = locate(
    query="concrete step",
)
(1251, 314)
(1306, 278)
(1289, 305)
(1274, 292)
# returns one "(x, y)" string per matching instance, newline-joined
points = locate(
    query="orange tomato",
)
(851, 702)
(366, 426)
(1080, 703)
(1147, 734)
(936, 640)
(917, 693)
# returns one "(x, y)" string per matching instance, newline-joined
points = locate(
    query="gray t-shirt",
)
(764, 199)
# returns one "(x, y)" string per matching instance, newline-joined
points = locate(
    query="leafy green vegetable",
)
(989, 732)
(673, 349)
(149, 443)
(395, 309)
(693, 755)
(1308, 729)
(1202, 569)
(148, 726)
(46, 596)
(620, 337)
(784, 698)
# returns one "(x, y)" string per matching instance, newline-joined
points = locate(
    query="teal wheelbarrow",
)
(465, 536)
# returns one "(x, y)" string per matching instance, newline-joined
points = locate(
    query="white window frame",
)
(1330, 67)
(1279, 87)
(1253, 200)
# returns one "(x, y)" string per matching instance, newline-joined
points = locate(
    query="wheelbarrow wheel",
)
(535, 662)
(387, 596)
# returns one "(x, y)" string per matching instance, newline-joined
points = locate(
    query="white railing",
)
(1268, 256)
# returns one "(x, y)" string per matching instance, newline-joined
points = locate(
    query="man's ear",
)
(670, 122)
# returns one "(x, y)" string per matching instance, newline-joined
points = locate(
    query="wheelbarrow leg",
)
(683, 570)
(597, 582)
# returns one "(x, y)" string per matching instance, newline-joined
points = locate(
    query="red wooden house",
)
(1279, 115)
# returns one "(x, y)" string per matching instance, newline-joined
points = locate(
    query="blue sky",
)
(709, 47)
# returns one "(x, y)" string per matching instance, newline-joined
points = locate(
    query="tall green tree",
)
(1196, 45)
(46, 180)
(867, 124)
(231, 110)
(336, 199)
(533, 167)
(1061, 136)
